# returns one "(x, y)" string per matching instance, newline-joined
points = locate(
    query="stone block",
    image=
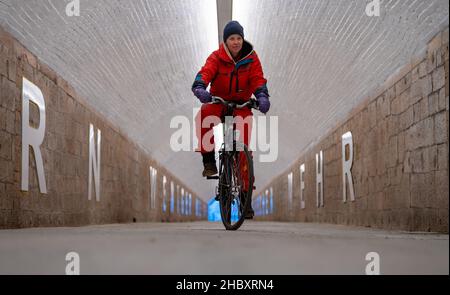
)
(12, 69)
(403, 84)
(401, 102)
(423, 193)
(394, 176)
(392, 152)
(416, 91)
(433, 103)
(441, 127)
(440, 55)
(415, 74)
(65, 86)
(442, 190)
(372, 114)
(446, 65)
(424, 160)
(375, 201)
(421, 110)
(10, 122)
(442, 225)
(6, 145)
(390, 94)
(420, 134)
(431, 61)
(6, 171)
(393, 122)
(442, 157)
(27, 71)
(406, 119)
(3, 65)
(383, 107)
(423, 69)
(398, 196)
(10, 94)
(407, 165)
(421, 88)
(438, 78)
(444, 53)
(442, 100)
(24, 54)
(2, 118)
(59, 123)
(420, 219)
(47, 71)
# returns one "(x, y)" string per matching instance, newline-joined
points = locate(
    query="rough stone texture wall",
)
(125, 179)
(400, 164)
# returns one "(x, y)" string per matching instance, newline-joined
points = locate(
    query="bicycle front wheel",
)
(235, 187)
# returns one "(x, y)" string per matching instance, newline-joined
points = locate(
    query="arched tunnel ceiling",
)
(134, 61)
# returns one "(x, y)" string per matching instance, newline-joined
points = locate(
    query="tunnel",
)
(347, 167)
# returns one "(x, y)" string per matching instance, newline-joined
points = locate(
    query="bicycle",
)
(235, 186)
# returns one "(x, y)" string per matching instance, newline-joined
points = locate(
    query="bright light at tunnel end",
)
(211, 28)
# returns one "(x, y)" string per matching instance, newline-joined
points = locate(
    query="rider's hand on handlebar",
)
(263, 102)
(202, 94)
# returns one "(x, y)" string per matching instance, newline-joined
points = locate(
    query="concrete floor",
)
(206, 248)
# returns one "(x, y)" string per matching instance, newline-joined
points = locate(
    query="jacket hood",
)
(225, 55)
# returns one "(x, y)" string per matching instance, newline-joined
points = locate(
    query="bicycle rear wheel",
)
(235, 187)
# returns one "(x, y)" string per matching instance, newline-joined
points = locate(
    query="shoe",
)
(210, 169)
(250, 213)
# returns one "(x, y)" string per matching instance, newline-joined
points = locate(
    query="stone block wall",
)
(400, 157)
(124, 177)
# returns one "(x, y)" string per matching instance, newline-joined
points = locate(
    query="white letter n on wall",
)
(31, 136)
(94, 163)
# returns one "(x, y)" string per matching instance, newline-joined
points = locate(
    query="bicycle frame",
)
(232, 187)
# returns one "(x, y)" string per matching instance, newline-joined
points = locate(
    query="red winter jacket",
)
(232, 80)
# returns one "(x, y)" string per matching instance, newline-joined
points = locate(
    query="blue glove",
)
(203, 95)
(263, 102)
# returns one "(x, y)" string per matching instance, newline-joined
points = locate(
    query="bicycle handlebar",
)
(252, 103)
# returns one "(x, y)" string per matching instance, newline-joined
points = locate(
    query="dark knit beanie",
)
(233, 27)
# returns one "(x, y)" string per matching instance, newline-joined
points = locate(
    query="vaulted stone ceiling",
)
(134, 61)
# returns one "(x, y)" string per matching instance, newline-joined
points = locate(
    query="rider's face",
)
(234, 44)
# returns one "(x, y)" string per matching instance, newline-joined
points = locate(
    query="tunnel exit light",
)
(210, 12)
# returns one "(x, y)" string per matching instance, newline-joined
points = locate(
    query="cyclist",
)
(235, 73)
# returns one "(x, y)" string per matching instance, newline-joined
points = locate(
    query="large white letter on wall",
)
(178, 200)
(172, 197)
(183, 202)
(153, 173)
(347, 166)
(31, 136)
(164, 202)
(290, 176)
(319, 179)
(94, 162)
(302, 186)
